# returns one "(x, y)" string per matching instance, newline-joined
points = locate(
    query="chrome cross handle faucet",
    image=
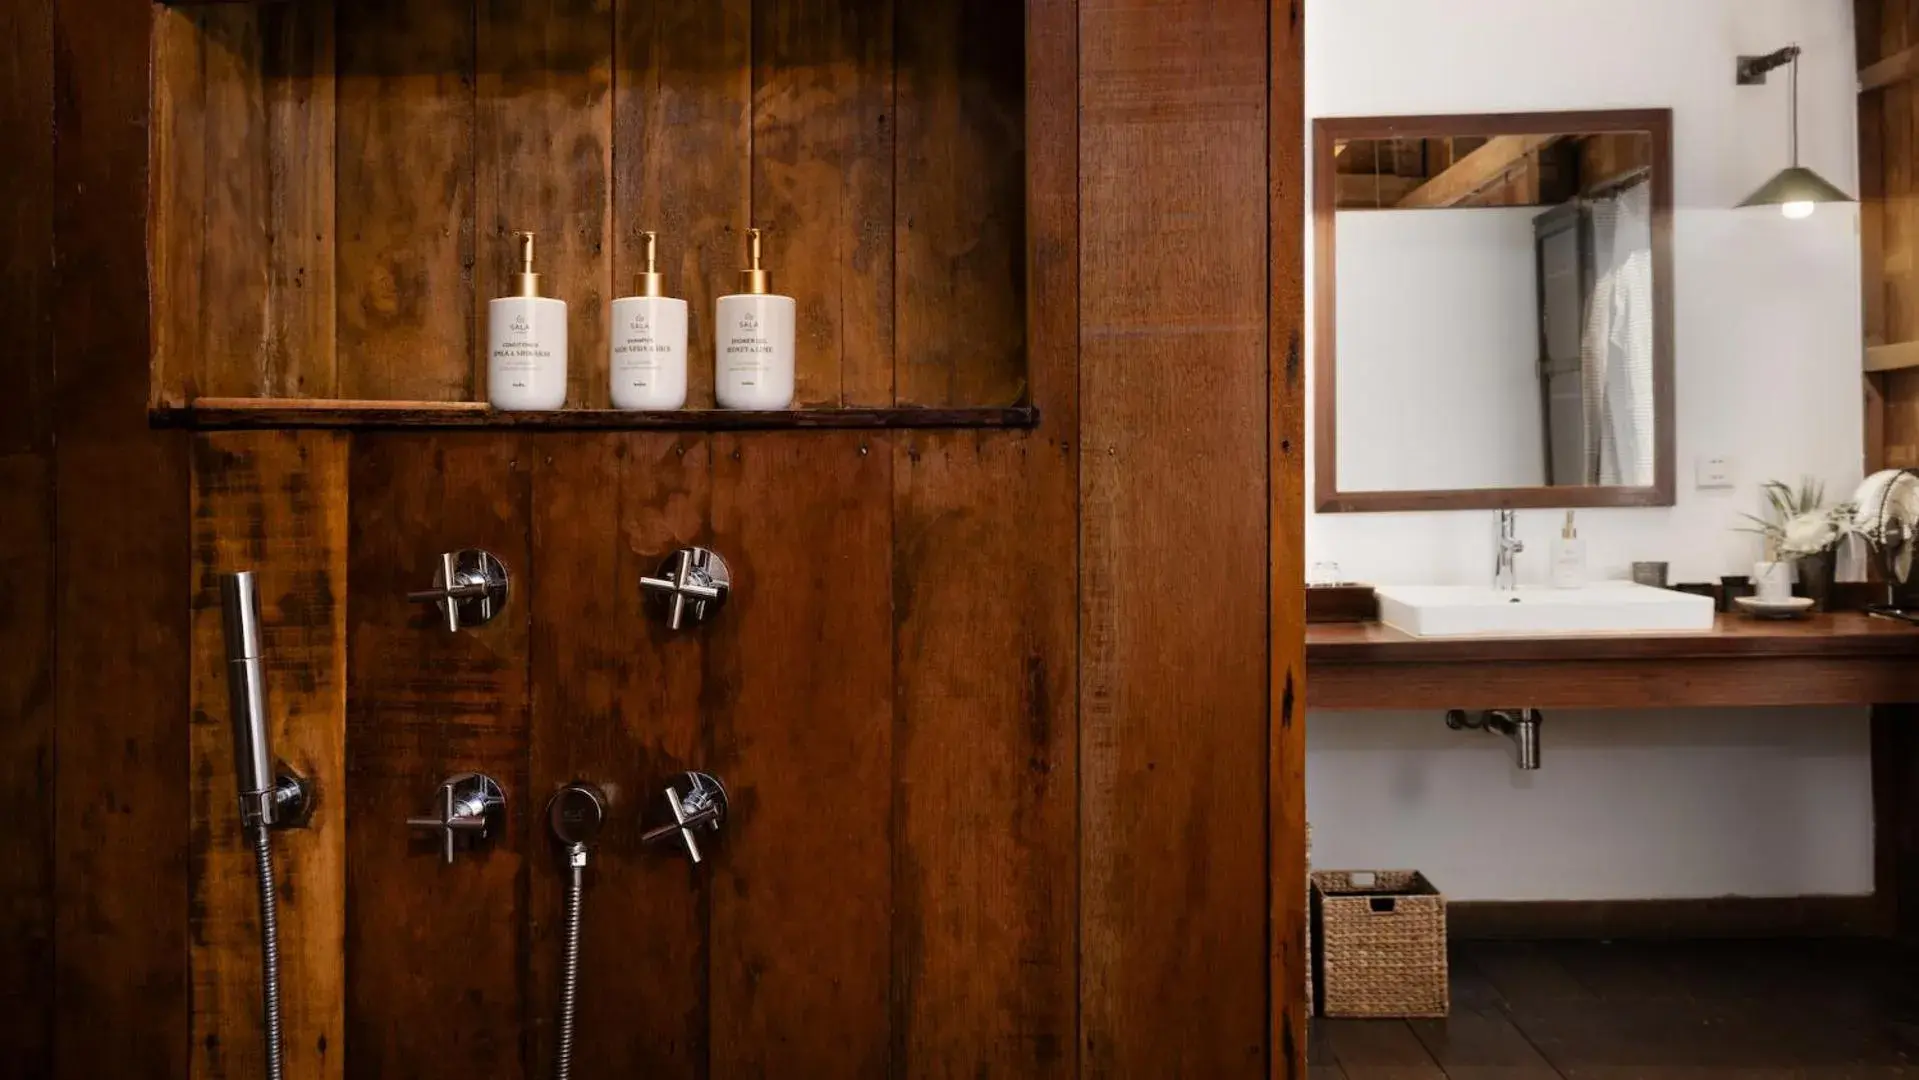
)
(692, 584)
(1505, 579)
(698, 802)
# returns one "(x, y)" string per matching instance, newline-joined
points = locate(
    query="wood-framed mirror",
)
(1493, 311)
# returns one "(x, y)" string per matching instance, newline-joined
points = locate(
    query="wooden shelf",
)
(225, 414)
(1840, 659)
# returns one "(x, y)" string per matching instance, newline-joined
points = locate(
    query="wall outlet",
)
(1713, 472)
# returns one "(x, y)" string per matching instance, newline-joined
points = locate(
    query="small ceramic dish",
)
(1790, 608)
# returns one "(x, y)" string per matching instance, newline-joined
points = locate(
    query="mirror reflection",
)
(1495, 314)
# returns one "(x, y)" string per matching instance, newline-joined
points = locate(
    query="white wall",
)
(1760, 802)
(1439, 321)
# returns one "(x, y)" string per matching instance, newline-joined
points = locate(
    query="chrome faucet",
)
(1504, 577)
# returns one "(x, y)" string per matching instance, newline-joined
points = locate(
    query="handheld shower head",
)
(246, 699)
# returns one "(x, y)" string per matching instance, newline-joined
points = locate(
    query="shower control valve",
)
(470, 803)
(692, 584)
(698, 803)
(470, 587)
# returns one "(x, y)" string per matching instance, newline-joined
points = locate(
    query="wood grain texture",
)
(121, 589)
(26, 225)
(266, 127)
(406, 208)
(682, 128)
(799, 675)
(958, 227)
(178, 206)
(617, 702)
(1173, 784)
(215, 414)
(822, 149)
(27, 539)
(1839, 659)
(1286, 566)
(436, 986)
(301, 352)
(985, 784)
(276, 504)
(1900, 217)
(27, 742)
(544, 164)
(1840, 635)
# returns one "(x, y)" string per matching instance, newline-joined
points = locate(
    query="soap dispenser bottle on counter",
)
(649, 342)
(526, 343)
(1569, 557)
(753, 341)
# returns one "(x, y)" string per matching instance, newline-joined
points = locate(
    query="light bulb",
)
(1797, 210)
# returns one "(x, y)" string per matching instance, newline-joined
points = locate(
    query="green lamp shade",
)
(1796, 185)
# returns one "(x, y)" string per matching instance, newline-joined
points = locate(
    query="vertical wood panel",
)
(301, 351)
(1286, 567)
(1872, 177)
(404, 261)
(616, 702)
(120, 991)
(1173, 690)
(985, 794)
(544, 164)
(681, 164)
(822, 151)
(27, 542)
(434, 952)
(26, 762)
(958, 220)
(274, 503)
(266, 233)
(179, 205)
(238, 226)
(1901, 214)
(799, 698)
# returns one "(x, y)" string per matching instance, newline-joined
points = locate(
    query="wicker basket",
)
(1312, 948)
(1382, 943)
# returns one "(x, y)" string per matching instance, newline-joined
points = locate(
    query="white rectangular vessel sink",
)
(1613, 607)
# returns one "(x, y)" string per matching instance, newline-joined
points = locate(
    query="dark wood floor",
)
(1804, 1010)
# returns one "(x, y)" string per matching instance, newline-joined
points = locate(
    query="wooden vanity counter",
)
(1840, 659)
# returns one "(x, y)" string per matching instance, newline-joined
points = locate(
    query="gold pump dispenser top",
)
(650, 282)
(525, 281)
(755, 280)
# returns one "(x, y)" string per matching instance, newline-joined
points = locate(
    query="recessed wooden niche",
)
(334, 182)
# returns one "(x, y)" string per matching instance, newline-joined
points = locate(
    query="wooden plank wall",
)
(985, 821)
(1889, 229)
(337, 182)
(273, 503)
(1889, 245)
(1174, 398)
(28, 708)
(1290, 953)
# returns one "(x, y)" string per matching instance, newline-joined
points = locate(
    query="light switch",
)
(1713, 472)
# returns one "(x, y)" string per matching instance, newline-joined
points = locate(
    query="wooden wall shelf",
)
(1840, 659)
(226, 414)
(334, 185)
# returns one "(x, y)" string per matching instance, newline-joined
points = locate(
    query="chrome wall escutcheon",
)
(698, 803)
(470, 587)
(470, 803)
(575, 813)
(693, 584)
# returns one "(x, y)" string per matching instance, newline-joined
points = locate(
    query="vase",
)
(1815, 578)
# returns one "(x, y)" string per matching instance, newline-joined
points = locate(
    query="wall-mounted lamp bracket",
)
(1752, 69)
